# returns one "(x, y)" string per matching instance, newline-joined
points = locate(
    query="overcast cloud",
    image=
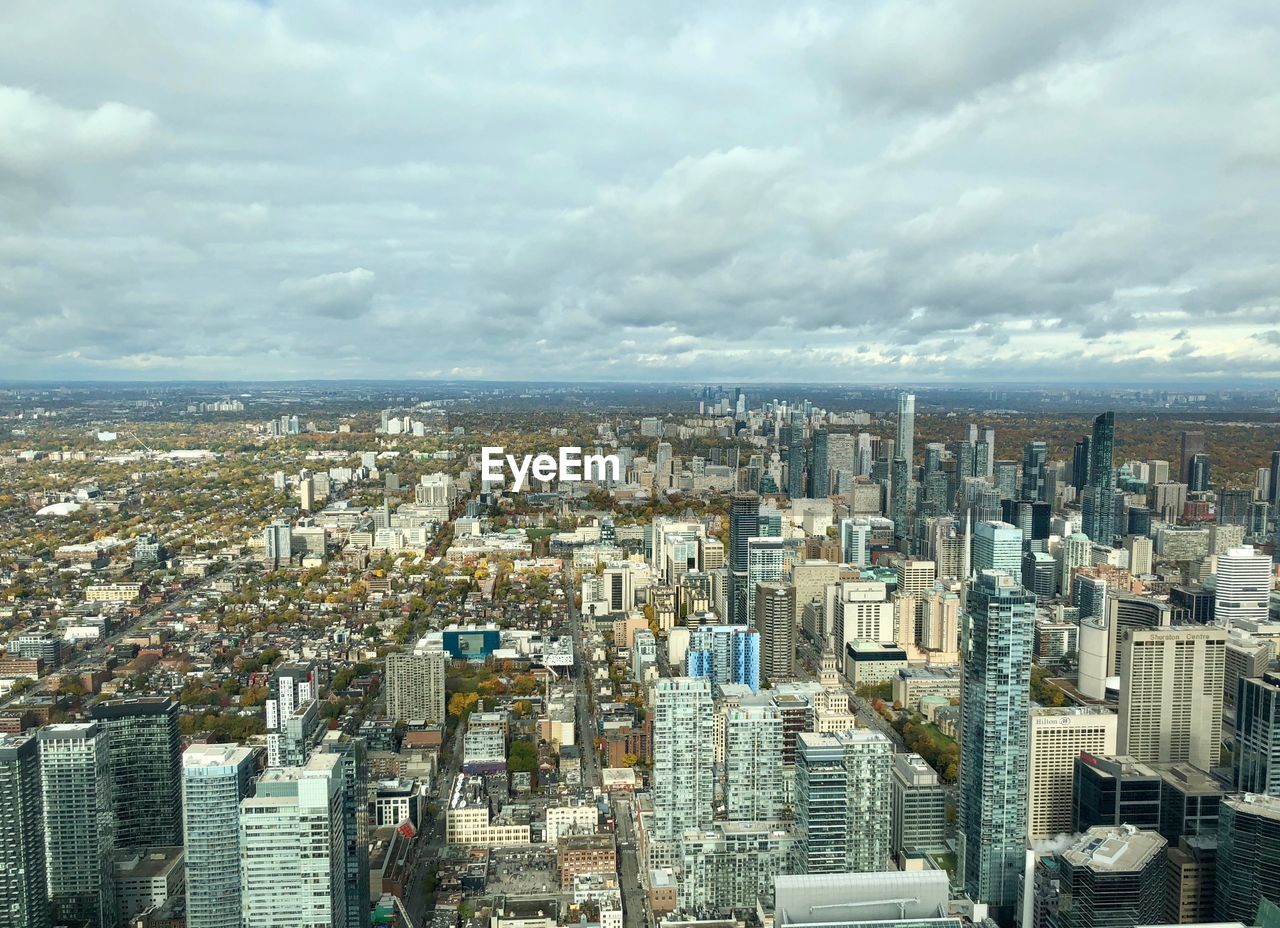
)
(879, 191)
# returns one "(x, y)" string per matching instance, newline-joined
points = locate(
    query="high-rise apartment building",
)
(1035, 455)
(145, 747)
(24, 898)
(292, 714)
(753, 764)
(683, 756)
(1058, 738)
(293, 847)
(997, 638)
(744, 524)
(1100, 501)
(906, 428)
(844, 805)
(75, 780)
(215, 778)
(1171, 694)
(775, 615)
(415, 686)
(766, 559)
(353, 766)
(820, 467)
(1191, 444)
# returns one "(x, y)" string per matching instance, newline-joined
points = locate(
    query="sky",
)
(881, 191)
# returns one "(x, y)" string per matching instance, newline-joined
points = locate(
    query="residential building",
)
(215, 778)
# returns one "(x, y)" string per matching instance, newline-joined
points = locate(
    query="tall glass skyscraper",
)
(24, 899)
(819, 467)
(1100, 516)
(906, 427)
(146, 769)
(683, 756)
(997, 632)
(744, 524)
(843, 804)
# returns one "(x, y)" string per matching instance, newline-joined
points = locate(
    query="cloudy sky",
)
(875, 191)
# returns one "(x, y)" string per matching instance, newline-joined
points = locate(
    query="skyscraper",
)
(1080, 463)
(775, 621)
(215, 778)
(1034, 458)
(24, 900)
(820, 467)
(1171, 694)
(853, 541)
(1248, 856)
(995, 713)
(753, 764)
(354, 769)
(1242, 588)
(997, 546)
(292, 717)
(1110, 875)
(1257, 760)
(683, 756)
(146, 769)
(765, 560)
(1099, 523)
(906, 428)
(900, 499)
(75, 775)
(1058, 737)
(292, 847)
(1192, 443)
(843, 804)
(796, 482)
(919, 804)
(1198, 480)
(415, 686)
(744, 524)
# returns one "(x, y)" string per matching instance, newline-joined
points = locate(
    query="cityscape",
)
(293, 656)
(517, 464)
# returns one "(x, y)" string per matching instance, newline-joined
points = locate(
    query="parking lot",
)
(522, 871)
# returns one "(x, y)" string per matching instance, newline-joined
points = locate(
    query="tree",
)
(461, 704)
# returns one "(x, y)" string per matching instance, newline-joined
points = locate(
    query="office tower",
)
(795, 467)
(1257, 760)
(1100, 517)
(899, 499)
(1192, 443)
(306, 494)
(75, 781)
(998, 546)
(215, 778)
(1242, 588)
(1139, 521)
(1114, 791)
(24, 900)
(995, 720)
(919, 808)
(1200, 476)
(1127, 612)
(1005, 479)
(1139, 550)
(1193, 865)
(1273, 481)
(1110, 876)
(915, 580)
(1190, 802)
(1233, 506)
(1080, 457)
(293, 846)
(146, 769)
(1075, 551)
(292, 716)
(861, 611)
(906, 428)
(1058, 738)
(820, 468)
(765, 560)
(1035, 455)
(662, 466)
(744, 524)
(683, 756)
(843, 802)
(776, 622)
(277, 544)
(1171, 694)
(415, 686)
(1248, 857)
(353, 767)
(1040, 574)
(753, 788)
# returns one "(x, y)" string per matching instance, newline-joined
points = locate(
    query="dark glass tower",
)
(146, 770)
(24, 897)
(1101, 516)
(1080, 463)
(819, 468)
(744, 523)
